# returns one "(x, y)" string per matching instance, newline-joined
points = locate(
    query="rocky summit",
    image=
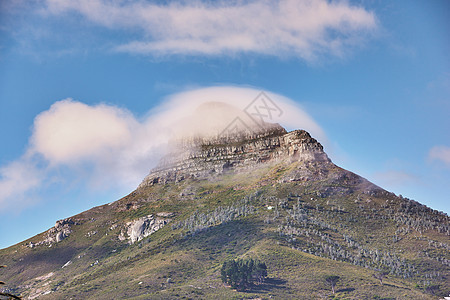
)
(203, 158)
(264, 195)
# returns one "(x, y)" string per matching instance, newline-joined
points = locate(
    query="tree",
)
(380, 276)
(332, 279)
(260, 272)
(241, 273)
(229, 273)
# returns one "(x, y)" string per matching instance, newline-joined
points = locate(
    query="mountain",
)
(270, 195)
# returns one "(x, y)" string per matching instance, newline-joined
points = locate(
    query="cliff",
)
(202, 158)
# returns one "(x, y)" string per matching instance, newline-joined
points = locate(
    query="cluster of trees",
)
(242, 273)
(306, 229)
(314, 230)
(412, 214)
(200, 221)
(322, 245)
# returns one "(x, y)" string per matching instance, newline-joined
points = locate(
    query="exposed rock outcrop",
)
(200, 158)
(143, 227)
(56, 234)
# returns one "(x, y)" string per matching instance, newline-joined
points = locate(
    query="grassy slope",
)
(105, 268)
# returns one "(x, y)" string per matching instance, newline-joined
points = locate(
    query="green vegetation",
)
(242, 273)
(303, 231)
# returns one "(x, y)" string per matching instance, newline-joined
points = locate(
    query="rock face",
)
(200, 158)
(143, 227)
(56, 234)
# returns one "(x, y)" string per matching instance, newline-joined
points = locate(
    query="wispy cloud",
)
(440, 154)
(393, 179)
(306, 29)
(16, 180)
(106, 147)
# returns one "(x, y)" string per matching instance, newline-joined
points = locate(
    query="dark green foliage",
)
(242, 273)
(260, 271)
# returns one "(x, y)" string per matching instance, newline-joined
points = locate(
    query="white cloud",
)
(305, 29)
(106, 147)
(179, 106)
(71, 130)
(440, 154)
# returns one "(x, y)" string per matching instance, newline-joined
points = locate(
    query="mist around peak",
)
(105, 147)
(211, 119)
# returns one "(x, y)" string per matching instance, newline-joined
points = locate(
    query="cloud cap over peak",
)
(304, 29)
(107, 147)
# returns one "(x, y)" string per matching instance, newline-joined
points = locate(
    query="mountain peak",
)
(282, 201)
(203, 157)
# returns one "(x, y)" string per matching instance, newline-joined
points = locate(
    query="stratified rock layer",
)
(201, 158)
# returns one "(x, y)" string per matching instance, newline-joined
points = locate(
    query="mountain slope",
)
(270, 195)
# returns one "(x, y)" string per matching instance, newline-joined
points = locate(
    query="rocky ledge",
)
(203, 158)
(56, 234)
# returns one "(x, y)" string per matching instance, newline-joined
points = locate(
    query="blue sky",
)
(370, 79)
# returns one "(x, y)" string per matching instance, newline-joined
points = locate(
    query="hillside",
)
(274, 196)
